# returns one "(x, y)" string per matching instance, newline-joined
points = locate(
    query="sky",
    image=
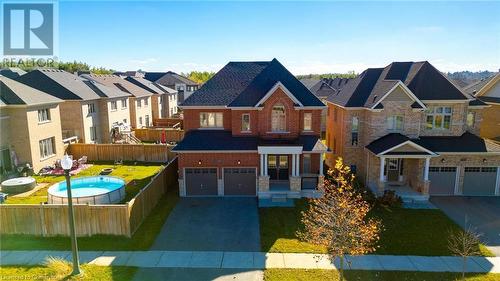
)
(306, 37)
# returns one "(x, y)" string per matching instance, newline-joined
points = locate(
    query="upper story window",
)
(180, 88)
(114, 105)
(245, 122)
(438, 117)
(43, 115)
(308, 121)
(146, 102)
(354, 130)
(47, 147)
(278, 118)
(211, 120)
(471, 119)
(161, 99)
(395, 123)
(139, 103)
(90, 108)
(124, 103)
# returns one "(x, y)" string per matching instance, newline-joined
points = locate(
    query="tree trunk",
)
(464, 265)
(341, 277)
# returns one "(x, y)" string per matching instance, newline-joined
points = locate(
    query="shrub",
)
(390, 199)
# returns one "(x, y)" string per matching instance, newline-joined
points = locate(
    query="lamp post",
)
(66, 164)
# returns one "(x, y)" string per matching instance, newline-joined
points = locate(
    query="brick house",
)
(252, 130)
(164, 99)
(488, 91)
(183, 85)
(407, 128)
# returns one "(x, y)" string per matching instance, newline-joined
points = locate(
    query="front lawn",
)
(405, 231)
(320, 275)
(90, 272)
(136, 176)
(141, 240)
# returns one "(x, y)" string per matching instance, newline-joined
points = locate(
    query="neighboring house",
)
(323, 89)
(164, 99)
(139, 101)
(181, 84)
(139, 74)
(488, 91)
(89, 109)
(406, 127)
(253, 130)
(30, 127)
(12, 72)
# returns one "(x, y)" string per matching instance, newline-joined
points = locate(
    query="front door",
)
(393, 169)
(277, 167)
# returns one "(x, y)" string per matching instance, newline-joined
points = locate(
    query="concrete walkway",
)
(255, 260)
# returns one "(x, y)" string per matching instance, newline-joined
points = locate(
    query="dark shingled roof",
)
(476, 87)
(201, 140)
(328, 86)
(465, 143)
(242, 84)
(12, 72)
(16, 93)
(153, 87)
(169, 79)
(117, 83)
(425, 81)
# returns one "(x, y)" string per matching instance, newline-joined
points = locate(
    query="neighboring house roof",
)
(328, 86)
(480, 89)
(12, 72)
(168, 78)
(118, 83)
(59, 83)
(221, 140)
(153, 87)
(245, 84)
(423, 80)
(466, 143)
(310, 82)
(105, 91)
(16, 93)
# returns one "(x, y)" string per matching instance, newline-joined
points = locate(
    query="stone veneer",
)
(295, 184)
(263, 183)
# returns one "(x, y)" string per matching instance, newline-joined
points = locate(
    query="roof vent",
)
(375, 98)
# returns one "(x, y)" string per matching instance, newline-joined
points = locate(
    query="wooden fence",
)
(120, 219)
(125, 152)
(168, 122)
(154, 134)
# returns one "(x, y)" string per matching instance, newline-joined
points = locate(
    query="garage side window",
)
(211, 120)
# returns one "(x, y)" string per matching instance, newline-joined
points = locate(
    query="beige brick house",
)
(163, 100)
(139, 100)
(407, 128)
(252, 130)
(30, 127)
(90, 109)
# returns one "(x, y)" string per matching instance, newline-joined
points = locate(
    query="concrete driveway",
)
(211, 224)
(482, 212)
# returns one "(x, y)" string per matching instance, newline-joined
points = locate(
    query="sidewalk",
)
(255, 260)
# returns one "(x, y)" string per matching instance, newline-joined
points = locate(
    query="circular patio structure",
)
(18, 185)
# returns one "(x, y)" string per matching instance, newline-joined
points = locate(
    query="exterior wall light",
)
(239, 162)
(199, 162)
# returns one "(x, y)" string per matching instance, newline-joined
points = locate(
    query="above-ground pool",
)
(92, 190)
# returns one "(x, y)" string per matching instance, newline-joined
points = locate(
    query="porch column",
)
(426, 169)
(294, 172)
(382, 164)
(262, 164)
(297, 168)
(265, 164)
(321, 164)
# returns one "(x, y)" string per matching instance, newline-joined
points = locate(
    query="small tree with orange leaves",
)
(338, 219)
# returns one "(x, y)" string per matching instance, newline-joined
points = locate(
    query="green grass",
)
(90, 272)
(135, 176)
(351, 275)
(405, 231)
(141, 240)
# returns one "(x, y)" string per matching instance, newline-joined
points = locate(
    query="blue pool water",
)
(87, 186)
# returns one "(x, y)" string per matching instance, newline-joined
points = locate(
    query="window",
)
(278, 118)
(438, 117)
(146, 101)
(43, 115)
(93, 133)
(245, 122)
(139, 103)
(308, 121)
(47, 147)
(211, 120)
(471, 118)
(395, 123)
(354, 130)
(354, 169)
(124, 103)
(180, 88)
(140, 120)
(125, 121)
(90, 108)
(161, 99)
(113, 105)
(147, 120)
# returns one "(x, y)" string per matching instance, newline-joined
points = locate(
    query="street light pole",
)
(66, 163)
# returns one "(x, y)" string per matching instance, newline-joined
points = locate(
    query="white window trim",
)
(405, 89)
(201, 126)
(443, 115)
(249, 123)
(273, 89)
(304, 122)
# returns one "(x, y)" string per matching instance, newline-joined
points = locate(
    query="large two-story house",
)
(406, 127)
(252, 130)
(183, 85)
(164, 99)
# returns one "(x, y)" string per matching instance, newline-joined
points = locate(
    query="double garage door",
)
(478, 181)
(237, 181)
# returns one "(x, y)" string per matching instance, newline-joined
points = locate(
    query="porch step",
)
(279, 197)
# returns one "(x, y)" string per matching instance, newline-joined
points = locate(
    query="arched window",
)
(278, 118)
